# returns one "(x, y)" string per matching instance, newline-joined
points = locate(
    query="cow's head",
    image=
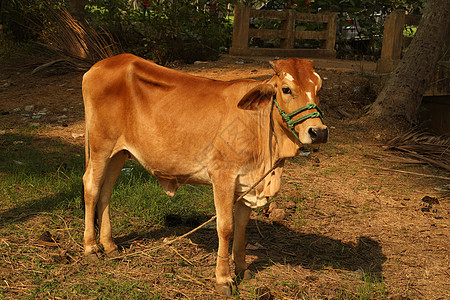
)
(295, 86)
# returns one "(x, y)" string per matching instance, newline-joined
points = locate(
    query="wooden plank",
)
(241, 26)
(269, 14)
(288, 27)
(331, 28)
(311, 35)
(283, 52)
(266, 33)
(324, 18)
(393, 35)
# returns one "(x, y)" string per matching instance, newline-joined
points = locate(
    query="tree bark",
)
(403, 92)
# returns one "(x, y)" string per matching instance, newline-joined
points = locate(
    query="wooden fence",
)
(393, 40)
(287, 34)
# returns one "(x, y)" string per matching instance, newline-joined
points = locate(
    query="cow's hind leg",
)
(103, 205)
(98, 180)
(92, 182)
(241, 218)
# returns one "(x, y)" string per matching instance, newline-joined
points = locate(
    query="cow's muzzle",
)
(318, 135)
(287, 117)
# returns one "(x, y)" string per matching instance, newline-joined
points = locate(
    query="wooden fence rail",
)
(287, 34)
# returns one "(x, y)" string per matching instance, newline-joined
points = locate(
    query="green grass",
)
(44, 175)
(40, 190)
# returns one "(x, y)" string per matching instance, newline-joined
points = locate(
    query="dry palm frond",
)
(74, 41)
(424, 146)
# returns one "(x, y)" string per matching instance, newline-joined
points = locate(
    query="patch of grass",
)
(371, 288)
(139, 195)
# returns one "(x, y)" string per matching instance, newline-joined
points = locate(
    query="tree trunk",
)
(402, 94)
(76, 9)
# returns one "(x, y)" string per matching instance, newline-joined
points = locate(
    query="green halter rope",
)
(291, 123)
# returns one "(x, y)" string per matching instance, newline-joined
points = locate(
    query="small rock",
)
(2, 132)
(77, 135)
(126, 171)
(43, 111)
(199, 62)
(16, 110)
(29, 108)
(304, 154)
(256, 246)
(290, 205)
(277, 215)
(62, 117)
(35, 124)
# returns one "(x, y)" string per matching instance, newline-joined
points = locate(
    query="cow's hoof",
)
(91, 257)
(113, 254)
(245, 274)
(225, 289)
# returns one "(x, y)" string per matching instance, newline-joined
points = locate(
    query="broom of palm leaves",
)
(77, 44)
(424, 146)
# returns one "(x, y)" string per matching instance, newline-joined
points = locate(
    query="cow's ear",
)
(257, 97)
(274, 66)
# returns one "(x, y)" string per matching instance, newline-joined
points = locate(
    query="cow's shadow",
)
(278, 244)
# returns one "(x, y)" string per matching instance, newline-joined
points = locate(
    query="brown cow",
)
(188, 129)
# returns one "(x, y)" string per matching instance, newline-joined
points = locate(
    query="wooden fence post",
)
(330, 27)
(241, 26)
(392, 41)
(288, 28)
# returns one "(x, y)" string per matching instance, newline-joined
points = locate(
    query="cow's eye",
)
(286, 90)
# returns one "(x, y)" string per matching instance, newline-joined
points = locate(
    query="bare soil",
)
(352, 228)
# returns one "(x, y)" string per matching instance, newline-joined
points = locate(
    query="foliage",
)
(166, 31)
(22, 20)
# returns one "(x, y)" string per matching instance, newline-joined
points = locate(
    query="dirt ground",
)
(351, 216)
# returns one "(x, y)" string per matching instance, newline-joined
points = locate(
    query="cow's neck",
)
(283, 144)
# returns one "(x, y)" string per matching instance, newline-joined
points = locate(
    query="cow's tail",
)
(87, 157)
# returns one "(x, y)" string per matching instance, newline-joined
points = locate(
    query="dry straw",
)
(424, 146)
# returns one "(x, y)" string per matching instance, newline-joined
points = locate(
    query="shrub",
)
(173, 30)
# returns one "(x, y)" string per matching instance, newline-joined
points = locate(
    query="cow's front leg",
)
(223, 200)
(241, 218)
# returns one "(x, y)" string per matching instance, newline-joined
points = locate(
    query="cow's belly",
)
(171, 167)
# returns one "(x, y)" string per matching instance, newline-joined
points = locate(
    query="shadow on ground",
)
(285, 246)
(39, 174)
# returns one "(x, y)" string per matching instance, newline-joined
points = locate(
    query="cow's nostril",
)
(312, 133)
(318, 135)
